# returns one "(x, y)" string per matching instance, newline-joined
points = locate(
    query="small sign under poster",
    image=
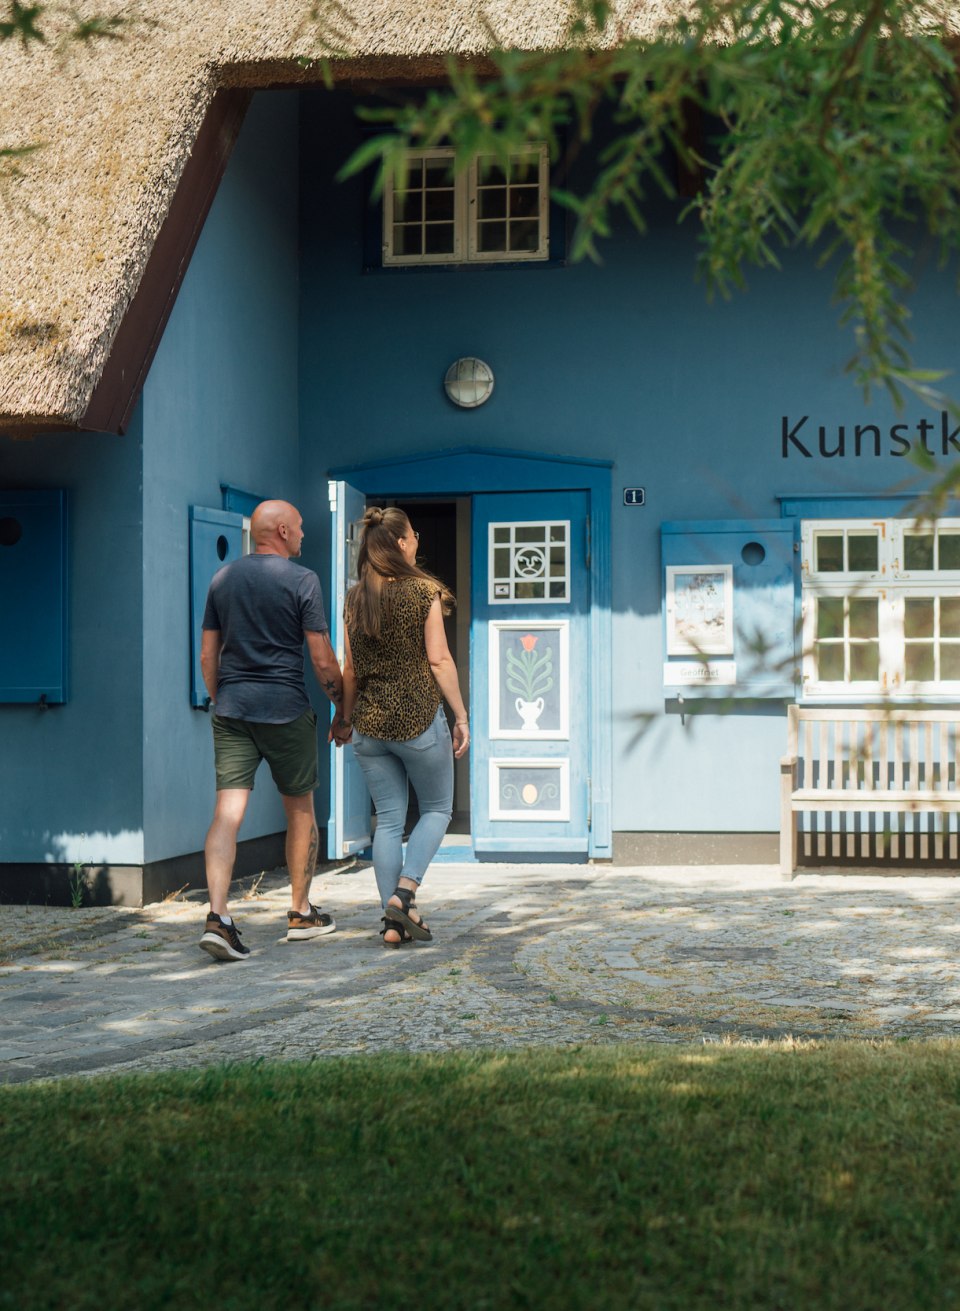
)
(700, 673)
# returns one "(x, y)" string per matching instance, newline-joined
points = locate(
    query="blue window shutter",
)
(33, 596)
(216, 538)
(239, 501)
(765, 601)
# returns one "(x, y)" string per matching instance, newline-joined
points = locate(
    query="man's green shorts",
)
(289, 749)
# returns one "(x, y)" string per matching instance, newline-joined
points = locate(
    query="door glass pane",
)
(918, 550)
(862, 552)
(865, 661)
(829, 553)
(918, 616)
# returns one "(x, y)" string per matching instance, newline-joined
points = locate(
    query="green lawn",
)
(634, 1177)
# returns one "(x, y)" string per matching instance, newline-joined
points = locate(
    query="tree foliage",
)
(831, 124)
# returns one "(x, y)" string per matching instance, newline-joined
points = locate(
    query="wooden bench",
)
(877, 784)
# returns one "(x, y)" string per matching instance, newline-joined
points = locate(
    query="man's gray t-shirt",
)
(261, 605)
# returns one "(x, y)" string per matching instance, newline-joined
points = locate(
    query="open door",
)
(349, 827)
(531, 684)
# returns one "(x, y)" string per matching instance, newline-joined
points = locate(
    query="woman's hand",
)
(461, 737)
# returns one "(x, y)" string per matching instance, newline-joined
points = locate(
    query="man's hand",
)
(340, 731)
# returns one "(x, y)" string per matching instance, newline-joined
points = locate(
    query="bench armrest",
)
(787, 764)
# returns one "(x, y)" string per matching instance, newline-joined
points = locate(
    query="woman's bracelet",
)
(460, 723)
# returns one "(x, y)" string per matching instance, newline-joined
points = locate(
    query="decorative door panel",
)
(530, 673)
(349, 826)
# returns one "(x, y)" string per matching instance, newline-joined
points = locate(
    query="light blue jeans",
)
(388, 767)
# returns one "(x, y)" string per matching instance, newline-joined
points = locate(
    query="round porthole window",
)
(753, 553)
(11, 530)
(468, 382)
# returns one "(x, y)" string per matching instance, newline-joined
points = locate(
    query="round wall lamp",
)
(468, 382)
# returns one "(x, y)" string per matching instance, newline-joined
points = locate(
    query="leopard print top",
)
(397, 694)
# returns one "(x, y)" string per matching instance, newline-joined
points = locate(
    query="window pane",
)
(501, 534)
(528, 591)
(558, 532)
(949, 616)
(829, 554)
(408, 206)
(411, 178)
(439, 206)
(862, 552)
(558, 560)
(918, 550)
(918, 616)
(829, 662)
(830, 616)
(528, 532)
(490, 172)
(524, 168)
(492, 237)
(524, 202)
(407, 240)
(864, 616)
(865, 662)
(949, 550)
(950, 661)
(492, 203)
(919, 662)
(438, 239)
(558, 589)
(501, 562)
(524, 235)
(438, 173)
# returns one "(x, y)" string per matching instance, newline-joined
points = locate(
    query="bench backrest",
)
(875, 749)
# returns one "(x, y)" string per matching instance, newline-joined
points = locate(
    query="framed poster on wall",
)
(699, 608)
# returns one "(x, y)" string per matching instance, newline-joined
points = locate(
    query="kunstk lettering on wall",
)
(800, 438)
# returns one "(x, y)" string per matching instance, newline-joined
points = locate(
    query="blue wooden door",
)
(349, 827)
(530, 673)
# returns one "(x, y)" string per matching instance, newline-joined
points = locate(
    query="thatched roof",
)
(120, 120)
(83, 232)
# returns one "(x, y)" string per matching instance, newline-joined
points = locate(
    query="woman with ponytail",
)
(397, 672)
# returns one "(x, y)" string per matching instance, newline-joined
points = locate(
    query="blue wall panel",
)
(70, 776)
(220, 406)
(714, 409)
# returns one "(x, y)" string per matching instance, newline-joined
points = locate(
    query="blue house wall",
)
(626, 361)
(220, 405)
(122, 774)
(70, 776)
(284, 358)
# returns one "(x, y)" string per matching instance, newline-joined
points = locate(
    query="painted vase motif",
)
(528, 674)
(529, 712)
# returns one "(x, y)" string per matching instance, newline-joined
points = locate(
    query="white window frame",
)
(891, 585)
(465, 216)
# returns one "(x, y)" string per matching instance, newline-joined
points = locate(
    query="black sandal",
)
(397, 928)
(402, 916)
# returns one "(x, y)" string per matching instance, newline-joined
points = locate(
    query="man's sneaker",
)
(222, 941)
(314, 925)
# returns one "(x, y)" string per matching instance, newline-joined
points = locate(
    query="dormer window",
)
(491, 212)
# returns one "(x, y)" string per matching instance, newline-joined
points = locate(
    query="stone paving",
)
(522, 955)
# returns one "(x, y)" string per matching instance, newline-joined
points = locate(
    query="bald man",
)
(260, 610)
